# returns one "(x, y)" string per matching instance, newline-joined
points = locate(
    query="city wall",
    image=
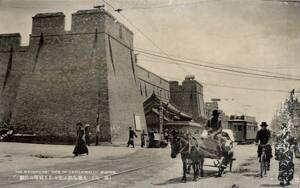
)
(65, 77)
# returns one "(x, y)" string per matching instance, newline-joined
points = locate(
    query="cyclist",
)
(263, 138)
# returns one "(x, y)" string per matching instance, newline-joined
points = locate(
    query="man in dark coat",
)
(131, 137)
(263, 138)
(214, 125)
(285, 146)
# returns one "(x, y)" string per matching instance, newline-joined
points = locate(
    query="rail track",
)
(87, 181)
(116, 174)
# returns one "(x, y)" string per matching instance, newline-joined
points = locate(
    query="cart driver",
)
(214, 125)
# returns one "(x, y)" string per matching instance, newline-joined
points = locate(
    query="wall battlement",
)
(83, 21)
(48, 23)
(7, 41)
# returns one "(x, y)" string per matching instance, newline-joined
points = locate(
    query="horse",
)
(189, 152)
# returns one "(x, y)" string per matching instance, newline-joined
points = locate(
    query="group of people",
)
(153, 135)
(285, 146)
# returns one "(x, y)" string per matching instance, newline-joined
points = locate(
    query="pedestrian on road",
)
(143, 138)
(80, 147)
(87, 134)
(131, 137)
(285, 146)
(263, 138)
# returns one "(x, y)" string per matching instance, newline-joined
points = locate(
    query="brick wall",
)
(62, 77)
(149, 83)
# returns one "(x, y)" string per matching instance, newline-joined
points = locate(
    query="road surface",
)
(111, 167)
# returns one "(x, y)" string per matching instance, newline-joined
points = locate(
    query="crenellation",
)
(88, 21)
(118, 31)
(8, 41)
(48, 23)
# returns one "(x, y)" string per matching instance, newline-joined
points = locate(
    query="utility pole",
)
(161, 117)
(97, 129)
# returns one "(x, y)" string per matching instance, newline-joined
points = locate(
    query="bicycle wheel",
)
(261, 169)
(262, 166)
(265, 167)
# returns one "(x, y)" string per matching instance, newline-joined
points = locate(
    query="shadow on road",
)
(255, 175)
(173, 181)
(270, 185)
(207, 174)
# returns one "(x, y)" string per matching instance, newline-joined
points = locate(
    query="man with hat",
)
(263, 138)
(214, 125)
(214, 129)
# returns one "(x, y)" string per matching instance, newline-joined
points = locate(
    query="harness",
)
(183, 148)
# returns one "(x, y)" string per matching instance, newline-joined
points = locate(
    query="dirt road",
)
(127, 167)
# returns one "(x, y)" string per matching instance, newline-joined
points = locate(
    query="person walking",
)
(131, 137)
(80, 147)
(263, 138)
(286, 145)
(87, 134)
(143, 138)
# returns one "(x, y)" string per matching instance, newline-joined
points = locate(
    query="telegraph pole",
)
(161, 117)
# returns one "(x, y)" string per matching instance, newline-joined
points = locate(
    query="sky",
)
(252, 34)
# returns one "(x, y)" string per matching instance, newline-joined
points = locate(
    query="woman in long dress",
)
(80, 147)
(285, 147)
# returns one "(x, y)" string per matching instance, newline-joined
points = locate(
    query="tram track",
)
(116, 174)
(84, 169)
(92, 167)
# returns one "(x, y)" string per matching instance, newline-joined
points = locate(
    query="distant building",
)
(189, 98)
(170, 113)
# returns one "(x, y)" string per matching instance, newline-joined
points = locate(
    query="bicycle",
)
(263, 161)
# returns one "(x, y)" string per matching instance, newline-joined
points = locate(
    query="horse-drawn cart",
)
(194, 148)
(220, 150)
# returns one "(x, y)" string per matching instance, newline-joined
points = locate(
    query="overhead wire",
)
(188, 62)
(220, 64)
(200, 68)
(232, 87)
(140, 31)
(182, 61)
(168, 5)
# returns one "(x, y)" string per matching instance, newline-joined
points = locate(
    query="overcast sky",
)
(256, 34)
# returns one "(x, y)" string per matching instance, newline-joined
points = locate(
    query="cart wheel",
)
(221, 170)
